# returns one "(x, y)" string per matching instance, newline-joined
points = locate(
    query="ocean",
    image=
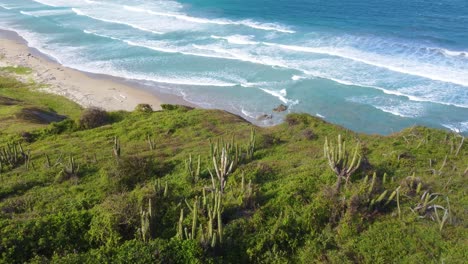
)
(370, 66)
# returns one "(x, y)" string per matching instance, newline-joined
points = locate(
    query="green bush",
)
(144, 108)
(93, 117)
(393, 241)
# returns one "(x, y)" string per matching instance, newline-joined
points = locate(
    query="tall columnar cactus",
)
(193, 173)
(207, 227)
(161, 190)
(116, 148)
(339, 160)
(13, 156)
(251, 145)
(223, 167)
(374, 198)
(47, 163)
(71, 169)
(180, 225)
(151, 142)
(147, 219)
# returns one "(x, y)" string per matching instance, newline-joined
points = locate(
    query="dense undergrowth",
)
(204, 186)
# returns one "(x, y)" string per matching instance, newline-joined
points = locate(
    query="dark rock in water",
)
(281, 108)
(264, 117)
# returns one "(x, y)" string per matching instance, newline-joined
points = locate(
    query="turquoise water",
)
(371, 66)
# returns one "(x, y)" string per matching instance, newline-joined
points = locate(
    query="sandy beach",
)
(84, 89)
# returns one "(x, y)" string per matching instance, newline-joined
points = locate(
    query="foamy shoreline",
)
(88, 90)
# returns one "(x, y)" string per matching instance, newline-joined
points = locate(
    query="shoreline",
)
(113, 93)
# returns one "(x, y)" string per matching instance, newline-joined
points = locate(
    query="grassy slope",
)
(290, 218)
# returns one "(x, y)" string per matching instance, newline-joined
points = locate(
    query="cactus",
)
(338, 160)
(427, 208)
(147, 219)
(372, 185)
(116, 148)
(47, 163)
(251, 145)
(180, 225)
(13, 156)
(398, 201)
(71, 169)
(151, 142)
(194, 217)
(203, 230)
(220, 226)
(223, 167)
(194, 174)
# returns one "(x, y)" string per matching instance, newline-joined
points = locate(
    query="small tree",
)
(93, 117)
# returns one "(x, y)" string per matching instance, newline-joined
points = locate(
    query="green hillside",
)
(137, 188)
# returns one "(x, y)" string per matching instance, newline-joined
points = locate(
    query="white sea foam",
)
(247, 23)
(319, 115)
(281, 95)
(298, 77)
(70, 57)
(248, 114)
(109, 69)
(81, 13)
(453, 53)
(432, 72)
(43, 13)
(240, 55)
(460, 127)
(100, 35)
(62, 3)
(7, 7)
(390, 105)
(237, 39)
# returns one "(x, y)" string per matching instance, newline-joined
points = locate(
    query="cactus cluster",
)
(147, 220)
(193, 172)
(70, 169)
(48, 164)
(227, 156)
(148, 223)
(160, 190)
(251, 145)
(339, 160)
(206, 224)
(12, 156)
(375, 199)
(223, 166)
(427, 208)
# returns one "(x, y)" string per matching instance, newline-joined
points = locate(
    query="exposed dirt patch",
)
(39, 116)
(8, 101)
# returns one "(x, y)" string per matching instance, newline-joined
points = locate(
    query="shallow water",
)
(372, 66)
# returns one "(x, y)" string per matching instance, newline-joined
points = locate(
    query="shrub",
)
(308, 134)
(114, 220)
(170, 107)
(291, 120)
(144, 108)
(394, 242)
(296, 119)
(131, 171)
(159, 251)
(27, 137)
(93, 117)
